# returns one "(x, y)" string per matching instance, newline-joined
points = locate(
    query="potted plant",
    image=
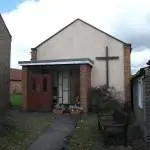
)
(76, 109)
(59, 108)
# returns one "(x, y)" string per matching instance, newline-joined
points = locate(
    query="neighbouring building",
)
(15, 81)
(138, 96)
(5, 49)
(141, 99)
(67, 64)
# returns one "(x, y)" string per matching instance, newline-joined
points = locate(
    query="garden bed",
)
(86, 135)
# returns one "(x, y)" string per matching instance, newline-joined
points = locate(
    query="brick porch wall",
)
(85, 83)
(127, 72)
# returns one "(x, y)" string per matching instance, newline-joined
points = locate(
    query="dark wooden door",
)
(40, 94)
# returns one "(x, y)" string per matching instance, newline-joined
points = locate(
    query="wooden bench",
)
(112, 126)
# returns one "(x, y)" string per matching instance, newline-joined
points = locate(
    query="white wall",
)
(140, 92)
(81, 41)
(138, 101)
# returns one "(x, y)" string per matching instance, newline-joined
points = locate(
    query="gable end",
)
(126, 44)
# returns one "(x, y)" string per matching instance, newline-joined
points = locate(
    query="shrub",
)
(102, 99)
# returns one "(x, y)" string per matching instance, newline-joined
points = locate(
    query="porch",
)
(48, 83)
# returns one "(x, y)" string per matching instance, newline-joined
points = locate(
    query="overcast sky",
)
(32, 21)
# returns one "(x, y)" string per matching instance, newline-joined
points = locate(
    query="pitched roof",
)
(5, 27)
(140, 72)
(84, 23)
(15, 74)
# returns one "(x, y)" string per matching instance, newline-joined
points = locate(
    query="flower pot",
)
(57, 111)
(75, 112)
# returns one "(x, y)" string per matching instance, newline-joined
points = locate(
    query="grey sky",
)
(33, 21)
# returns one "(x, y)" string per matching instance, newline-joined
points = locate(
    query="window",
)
(140, 93)
(33, 84)
(44, 84)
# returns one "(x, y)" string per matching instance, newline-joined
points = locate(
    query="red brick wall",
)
(127, 72)
(85, 83)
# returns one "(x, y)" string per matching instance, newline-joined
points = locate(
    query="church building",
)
(67, 64)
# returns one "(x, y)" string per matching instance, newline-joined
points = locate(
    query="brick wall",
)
(127, 72)
(85, 83)
(15, 86)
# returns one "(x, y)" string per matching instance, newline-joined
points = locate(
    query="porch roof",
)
(57, 62)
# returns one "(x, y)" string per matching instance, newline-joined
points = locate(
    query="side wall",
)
(5, 48)
(81, 41)
(147, 106)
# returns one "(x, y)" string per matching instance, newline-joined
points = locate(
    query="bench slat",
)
(114, 124)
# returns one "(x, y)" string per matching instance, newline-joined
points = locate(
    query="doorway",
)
(40, 97)
(62, 86)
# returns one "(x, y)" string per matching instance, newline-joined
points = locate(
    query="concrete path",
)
(55, 137)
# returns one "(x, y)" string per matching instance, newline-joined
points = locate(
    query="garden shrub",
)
(103, 99)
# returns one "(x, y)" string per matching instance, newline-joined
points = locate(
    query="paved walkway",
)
(54, 138)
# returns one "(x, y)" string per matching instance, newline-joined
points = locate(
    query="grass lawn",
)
(86, 135)
(15, 100)
(28, 127)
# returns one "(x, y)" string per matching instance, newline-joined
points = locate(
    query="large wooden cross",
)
(107, 58)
